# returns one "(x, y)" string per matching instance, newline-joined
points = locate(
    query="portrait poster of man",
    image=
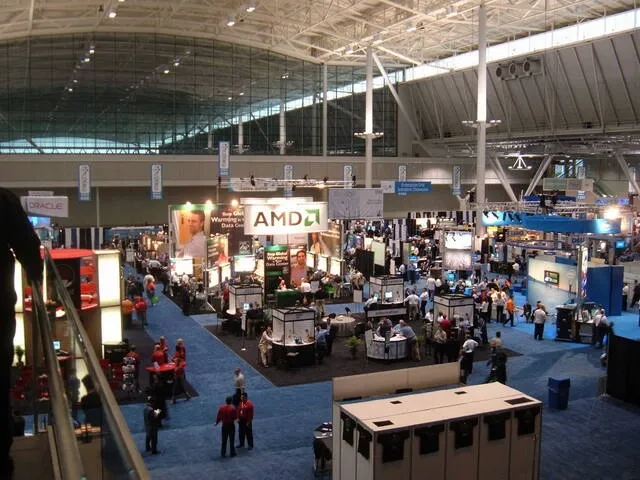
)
(299, 268)
(188, 231)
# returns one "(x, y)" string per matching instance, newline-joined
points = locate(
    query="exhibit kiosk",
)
(393, 311)
(242, 296)
(475, 432)
(454, 304)
(381, 348)
(293, 336)
(385, 285)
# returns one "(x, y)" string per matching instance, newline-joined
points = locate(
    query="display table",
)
(454, 304)
(241, 294)
(293, 336)
(294, 354)
(344, 325)
(393, 311)
(386, 283)
(398, 348)
(164, 368)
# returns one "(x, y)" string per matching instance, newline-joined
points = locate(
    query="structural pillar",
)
(283, 128)
(325, 91)
(481, 119)
(368, 122)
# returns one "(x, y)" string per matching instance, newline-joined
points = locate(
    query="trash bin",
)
(559, 392)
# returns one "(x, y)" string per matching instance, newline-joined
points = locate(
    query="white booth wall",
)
(550, 295)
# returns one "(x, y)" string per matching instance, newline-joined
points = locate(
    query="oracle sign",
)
(46, 206)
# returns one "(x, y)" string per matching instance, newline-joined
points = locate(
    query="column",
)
(325, 90)
(368, 122)
(481, 119)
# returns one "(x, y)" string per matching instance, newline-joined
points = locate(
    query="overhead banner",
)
(356, 203)
(224, 158)
(402, 177)
(84, 183)
(327, 243)
(632, 174)
(288, 175)
(252, 185)
(276, 266)
(347, 176)
(581, 172)
(285, 218)
(156, 181)
(46, 206)
(456, 180)
(413, 187)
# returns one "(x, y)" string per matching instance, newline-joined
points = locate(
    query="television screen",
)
(40, 221)
(621, 244)
(225, 271)
(56, 344)
(458, 240)
(244, 263)
(311, 260)
(182, 266)
(335, 268)
(245, 306)
(388, 295)
(378, 249)
(551, 277)
(214, 277)
(323, 263)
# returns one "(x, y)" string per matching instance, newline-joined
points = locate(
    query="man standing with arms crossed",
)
(17, 240)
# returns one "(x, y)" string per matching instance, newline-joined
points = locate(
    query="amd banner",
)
(285, 218)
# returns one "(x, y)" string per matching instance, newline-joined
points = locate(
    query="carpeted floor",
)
(595, 439)
(339, 364)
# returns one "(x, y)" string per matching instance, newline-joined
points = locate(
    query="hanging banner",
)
(46, 206)
(276, 266)
(581, 173)
(288, 175)
(327, 243)
(84, 183)
(156, 181)
(402, 177)
(456, 180)
(632, 174)
(583, 266)
(286, 218)
(347, 175)
(224, 158)
(356, 204)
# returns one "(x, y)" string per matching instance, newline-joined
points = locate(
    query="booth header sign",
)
(224, 158)
(46, 206)
(286, 218)
(413, 187)
(84, 183)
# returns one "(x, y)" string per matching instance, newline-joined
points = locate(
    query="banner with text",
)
(224, 158)
(288, 175)
(46, 206)
(84, 183)
(156, 181)
(276, 266)
(285, 218)
(327, 243)
(356, 203)
(347, 175)
(456, 180)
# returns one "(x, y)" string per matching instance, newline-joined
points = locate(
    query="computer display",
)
(182, 266)
(245, 306)
(225, 271)
(56, 344)
(335, 268)
(311, 260)
(388, 295)
(244, 263)
(323, 263)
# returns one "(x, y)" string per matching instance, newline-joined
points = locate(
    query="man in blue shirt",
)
(412, 341)
(321, 343)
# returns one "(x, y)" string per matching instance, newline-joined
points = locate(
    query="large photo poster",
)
(217, 251)
(327, 243)
(276, 267)
(229, 220)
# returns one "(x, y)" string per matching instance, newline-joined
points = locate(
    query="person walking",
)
(439, 344)
(245, 421)
(601, 322)
(227, 416)
(412, 301)
(625, 296)
(238, 382)
(424, 301)
(151, 425)
(17, 240)
(539, 318)
(527, 311)
(466, 361)
(141, 310)
(511, 310)
(264, 345)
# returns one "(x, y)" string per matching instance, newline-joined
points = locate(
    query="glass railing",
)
(104, 443)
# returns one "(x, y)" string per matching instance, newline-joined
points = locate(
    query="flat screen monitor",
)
(621, 244)
(182, 266)
(56, 345)
(244, 263)
(323, 263)
(225, 271)
(311, 260)
(388, 295)
(551, 277)
(335, 268)
(245, 306)
(378, 249)
(451, 276)
(367, 243)
(38, 222)
(214, 277)
(458, 240)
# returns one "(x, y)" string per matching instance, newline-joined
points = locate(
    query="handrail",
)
(124, 442)
(69, 454)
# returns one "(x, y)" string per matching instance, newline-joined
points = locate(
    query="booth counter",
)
(293, 336)
(393, 311)
(386, 287)
(240, 295)
(397, 348)
(454, 304)
(571, 327)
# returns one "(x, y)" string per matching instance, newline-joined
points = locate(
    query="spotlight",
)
(231, 22)
(251, 7)
(305, 178)
(353, 180)
(293, 187)
(485, 213)
(219, 181)
(253, 181)
(325, 180)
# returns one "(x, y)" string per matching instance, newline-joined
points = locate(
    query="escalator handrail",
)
(68, 453)
(117, 424)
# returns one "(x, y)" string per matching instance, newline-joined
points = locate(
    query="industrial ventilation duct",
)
(513, 70)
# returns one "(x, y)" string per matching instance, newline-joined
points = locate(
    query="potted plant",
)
(19, 353)
(353, 343)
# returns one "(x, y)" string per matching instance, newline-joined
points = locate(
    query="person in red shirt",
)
(445, 323)
(157, 355)
(178, 381)
(227, 415)
(141, 310)
(136, 356)
(164, 346)
(181, 351)
(245, 421)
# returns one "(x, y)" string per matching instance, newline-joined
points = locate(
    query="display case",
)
(573, 328)
(453, 305)
(293, 336)
(387, 287)
(240, 296)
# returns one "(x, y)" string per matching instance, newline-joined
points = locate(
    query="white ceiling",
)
(317, 30)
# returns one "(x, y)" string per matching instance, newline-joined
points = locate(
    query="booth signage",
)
(156, 181)
(581, 196)
(456, 180)
(46, 206)
(402, 176)
(288, 175)
(40, 193)
(84, 183)
(347, 175)
(413, 187)
(276, 265)
(388, 186)
(224, 158)
(285, 218)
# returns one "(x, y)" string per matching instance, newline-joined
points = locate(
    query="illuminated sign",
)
(285, 218)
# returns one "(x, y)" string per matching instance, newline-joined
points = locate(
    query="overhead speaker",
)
(499, 71)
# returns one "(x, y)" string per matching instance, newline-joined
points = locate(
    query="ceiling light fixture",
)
(166, 70)
(284, 76)
(452, 11)
(251, 7)
(176, 63)
(377, 38)
(231, 22)
(519, 164)
(241, 94)
(253, 181)
(229, 98)
(92, 50)
(112, 14)
(411, 28)
(349, 50)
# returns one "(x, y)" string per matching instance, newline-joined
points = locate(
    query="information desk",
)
(287, 298)
(393, 311)
(164, 368)
(239, 295)
(344, 325)
(294, 354)
(453, 305)
(571, 329)
(386, 283)
(398, 348)
(293, 336)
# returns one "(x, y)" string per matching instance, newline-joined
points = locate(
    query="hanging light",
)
(251, 7)
(231, 22)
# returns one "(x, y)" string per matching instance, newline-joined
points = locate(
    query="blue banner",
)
(413, 187)
(552, 223)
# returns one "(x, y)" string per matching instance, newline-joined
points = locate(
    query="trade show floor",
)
(594, 439)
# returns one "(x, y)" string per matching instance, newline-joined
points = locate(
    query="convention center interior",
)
(400, 238)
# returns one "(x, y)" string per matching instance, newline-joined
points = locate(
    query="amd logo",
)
(287, 218)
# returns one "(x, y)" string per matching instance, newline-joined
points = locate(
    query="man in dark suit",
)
(17, 240)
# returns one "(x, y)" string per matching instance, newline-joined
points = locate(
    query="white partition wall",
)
(109, 295)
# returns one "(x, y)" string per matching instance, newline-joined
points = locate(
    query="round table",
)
(398, 348)
(345, 325)
(164, 368)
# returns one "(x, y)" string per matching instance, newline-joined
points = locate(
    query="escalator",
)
(73, 424)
